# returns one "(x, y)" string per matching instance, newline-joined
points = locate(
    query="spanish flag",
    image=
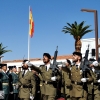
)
(31, 23)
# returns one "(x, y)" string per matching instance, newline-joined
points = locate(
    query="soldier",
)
(66, 82)
(10, 70)
(4, 79)
(10, 80)
(37, 80)
(93, 88)
(49, 81)
(79, 84)
(1, 97)
(26, 83)
(14, 81)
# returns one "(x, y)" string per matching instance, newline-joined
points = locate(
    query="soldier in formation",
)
(66, 82)
(14, 80)
(93, 88)
(41, 83)
(26, 83)
(49, 82)
(10, 84)
(4, 81)
(79, 79)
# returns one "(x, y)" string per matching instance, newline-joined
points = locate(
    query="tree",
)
(77, 31)
(2, 50)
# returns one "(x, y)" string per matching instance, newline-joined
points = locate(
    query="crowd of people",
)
(69, 81)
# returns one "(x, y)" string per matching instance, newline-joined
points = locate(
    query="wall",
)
(91, 42)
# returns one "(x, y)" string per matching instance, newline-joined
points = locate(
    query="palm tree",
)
(77, 31)
(2, 50)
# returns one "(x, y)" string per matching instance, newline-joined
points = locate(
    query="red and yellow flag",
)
(31, 24)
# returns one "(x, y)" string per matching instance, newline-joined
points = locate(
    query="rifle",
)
(85, 63)
(55, 69)
(84, 67)
(23, 57)
(54, 66)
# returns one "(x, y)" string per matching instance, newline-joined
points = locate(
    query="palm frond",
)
(75, 23)
(77, 30)
(69, 25)
(2, 49)
(81, 25)
(87, 31)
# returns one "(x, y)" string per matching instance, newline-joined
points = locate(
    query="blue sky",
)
(49, 16)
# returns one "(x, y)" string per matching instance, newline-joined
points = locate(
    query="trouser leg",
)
(89, 96)
(15, 95)
(6, 96)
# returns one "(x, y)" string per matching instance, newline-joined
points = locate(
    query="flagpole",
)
(29, 38)
(28, 47)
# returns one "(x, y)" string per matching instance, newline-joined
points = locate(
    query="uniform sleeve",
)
(58, 75)
(90, 76)
(1, 77)
(94, 77)
(10, 78)
(10, 82)
(36, 68)
(19, 83)
(33, 83)
(1, 81)
(66, 78)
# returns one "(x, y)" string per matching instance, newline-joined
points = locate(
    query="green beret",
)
(78, 53)
(47, 55)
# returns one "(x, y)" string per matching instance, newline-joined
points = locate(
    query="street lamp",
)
(96, 28)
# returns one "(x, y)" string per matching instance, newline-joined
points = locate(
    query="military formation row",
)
(79, 80)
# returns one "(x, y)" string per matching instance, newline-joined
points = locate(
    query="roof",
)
(89, 39)
(38, 59)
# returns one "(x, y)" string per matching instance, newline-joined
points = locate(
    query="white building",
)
(91, 43)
